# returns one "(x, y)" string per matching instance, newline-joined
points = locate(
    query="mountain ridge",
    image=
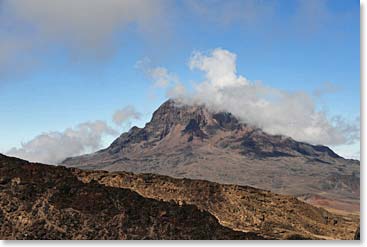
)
(193, 142)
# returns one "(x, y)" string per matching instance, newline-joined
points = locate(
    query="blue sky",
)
(61, 69)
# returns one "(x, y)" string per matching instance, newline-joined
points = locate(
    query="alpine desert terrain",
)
(51, 202)
(241, 208)
(48, 202)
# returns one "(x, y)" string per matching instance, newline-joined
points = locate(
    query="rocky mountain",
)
(48, 202)
(192, 142)
(53, 202)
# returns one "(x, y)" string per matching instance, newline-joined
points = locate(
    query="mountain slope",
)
(47, 202)
(240, 208)
(193, 142)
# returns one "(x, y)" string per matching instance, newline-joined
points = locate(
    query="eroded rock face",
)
(237, 207)
(48, 202)
(193, 142)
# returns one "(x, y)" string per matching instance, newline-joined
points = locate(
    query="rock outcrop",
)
(48, 202)
(241, 208)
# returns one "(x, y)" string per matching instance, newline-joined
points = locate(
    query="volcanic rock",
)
(48, 202)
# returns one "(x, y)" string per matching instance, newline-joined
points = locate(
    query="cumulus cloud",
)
(276, 111)
(53, 147)
(219, 68)
(125, 114)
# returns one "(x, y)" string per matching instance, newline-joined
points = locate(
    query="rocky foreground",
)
(48, 202)
(241, 208)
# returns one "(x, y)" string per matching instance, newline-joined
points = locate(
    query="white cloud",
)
(162, 78)
(54, 147)
(274, 110)
(177, 91)
(349, 151)
(220, 68)
(125, 114)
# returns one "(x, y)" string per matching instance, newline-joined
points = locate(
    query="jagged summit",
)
(197, 122)
(192, 141)
(171, 113)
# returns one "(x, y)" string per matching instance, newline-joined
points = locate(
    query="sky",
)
(76, 74)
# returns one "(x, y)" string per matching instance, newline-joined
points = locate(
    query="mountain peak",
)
(194, 142)
(174, 121)
(172, 112)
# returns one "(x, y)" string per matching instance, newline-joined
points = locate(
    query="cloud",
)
(53, 147)
(88, 30)
(87, 24)
(248, 13)
(161, 77)
(326, 88)
(349, 151)
(91, 31)
(16, 56)
(177, 91)
(125, 114)
(312, 15)
(220, 68)
(276, 111)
